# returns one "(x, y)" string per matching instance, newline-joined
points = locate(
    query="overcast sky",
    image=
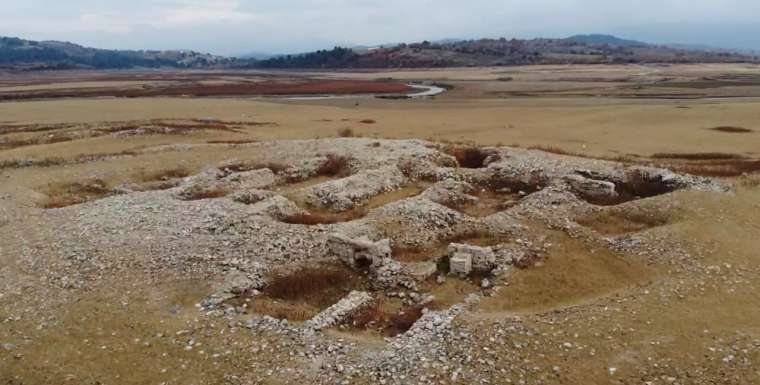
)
(284, 26)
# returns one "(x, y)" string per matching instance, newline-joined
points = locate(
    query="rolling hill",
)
(19, 54)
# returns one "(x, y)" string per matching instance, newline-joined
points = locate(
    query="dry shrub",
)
(378, 317)
(68, 194)
(335, 165)
(732, 129)
(346, 132)
(318, 286)
(368, 121)
(468, 157)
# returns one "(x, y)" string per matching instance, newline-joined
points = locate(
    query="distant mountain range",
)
(19, 54)
(580, 49)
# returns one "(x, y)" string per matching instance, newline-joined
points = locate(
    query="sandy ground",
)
(605, 127)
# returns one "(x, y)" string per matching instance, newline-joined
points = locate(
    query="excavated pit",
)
(635, 186)
(299, 294)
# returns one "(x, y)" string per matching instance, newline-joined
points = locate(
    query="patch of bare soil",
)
(615, 222)
(571, 274)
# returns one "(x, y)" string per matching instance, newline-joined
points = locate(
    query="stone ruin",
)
(359, 253)
(464, 259)
(339, 312)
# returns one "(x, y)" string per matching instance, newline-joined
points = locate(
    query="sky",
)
(231, 27)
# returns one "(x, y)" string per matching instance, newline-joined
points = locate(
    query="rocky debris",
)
(420, 271)
(253, 196)
(358, 253)
(420, 221)
(346, 193)
(480, 259)
(388, 273)
(254, 179)
(451, 193)
(339, 312)
(592, 189)
(235, 283)
(277, 207)
(205, 183)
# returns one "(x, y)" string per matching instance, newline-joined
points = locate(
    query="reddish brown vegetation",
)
(311, 87)
(68, 194)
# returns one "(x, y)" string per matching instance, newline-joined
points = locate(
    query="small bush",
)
(334, 165)
(368, 121)
(346, 132)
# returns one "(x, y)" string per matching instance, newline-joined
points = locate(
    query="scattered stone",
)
(336, 314)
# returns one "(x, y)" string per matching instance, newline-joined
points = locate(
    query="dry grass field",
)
(586, 314)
